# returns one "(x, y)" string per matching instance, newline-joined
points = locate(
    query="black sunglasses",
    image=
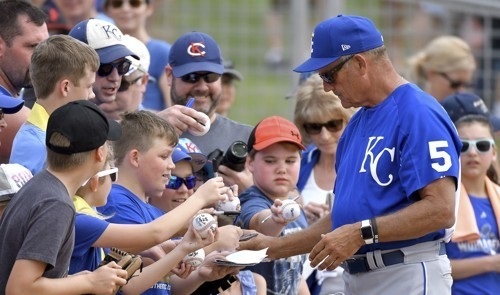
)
(122, 67)
(125, 85)
(195, 77)
(175, 182)
(332, 126)
(119, 3)
(481, 145)
(454, 84)
(330, 76)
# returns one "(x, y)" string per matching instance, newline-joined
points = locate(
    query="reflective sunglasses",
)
(454, 84)
(481, 145)
(119, 3)
(195, 77)
(332, 126)
(175, 182)
(112, 172)
(125, 85)
(330, 76)
(122, 67)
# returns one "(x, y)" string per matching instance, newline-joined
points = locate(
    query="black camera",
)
(234, 158)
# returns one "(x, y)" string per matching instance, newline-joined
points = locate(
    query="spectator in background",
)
(74, 12)
(112, 56)
(321, 119)
(474, 247)
(133, 85)
(12, 176)
(22, 27)
(131, 17)
(445, 66)
(228, 92)
(193, 74)
(62, 70)
(39, 221)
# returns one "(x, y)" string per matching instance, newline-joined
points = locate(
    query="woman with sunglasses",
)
(474, 248)
(321, 120)
(93, 233)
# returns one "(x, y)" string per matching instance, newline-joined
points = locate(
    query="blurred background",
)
(266, 39)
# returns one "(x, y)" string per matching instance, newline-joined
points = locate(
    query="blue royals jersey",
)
(387, 153)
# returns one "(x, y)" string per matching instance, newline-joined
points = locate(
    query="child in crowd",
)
(143, 156)
(62, 70)
(39, 220)
(274, 153)
(474, 246)
(93, 233)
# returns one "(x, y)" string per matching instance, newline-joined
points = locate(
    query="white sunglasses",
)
(112, 172)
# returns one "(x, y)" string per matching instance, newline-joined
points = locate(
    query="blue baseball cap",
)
(104, 37)
(340, 36)
(9, 104)
(198, 159)
(461, 104)
(195, 52)
(180, 154)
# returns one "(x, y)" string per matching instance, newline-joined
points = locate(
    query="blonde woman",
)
(445, 66)
(321, 120)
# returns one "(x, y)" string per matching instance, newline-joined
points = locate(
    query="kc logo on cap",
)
(195, 49)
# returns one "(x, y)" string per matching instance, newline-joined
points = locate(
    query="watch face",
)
(366, 232)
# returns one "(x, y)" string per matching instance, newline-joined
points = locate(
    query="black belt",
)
(360, 264)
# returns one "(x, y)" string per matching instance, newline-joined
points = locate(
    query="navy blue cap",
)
(104, 37)
(195, 52)
(9, 104)
(340, 36)
(461, 104)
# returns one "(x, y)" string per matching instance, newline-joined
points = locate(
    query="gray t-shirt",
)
(223, 132)
(38, 224)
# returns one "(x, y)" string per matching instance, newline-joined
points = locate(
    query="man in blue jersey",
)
(397, 172)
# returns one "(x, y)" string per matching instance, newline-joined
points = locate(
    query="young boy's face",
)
(84, 88)
(172, 198)
(155, 167)
(276, 169)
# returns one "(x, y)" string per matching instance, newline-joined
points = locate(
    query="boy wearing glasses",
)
(39, 221)
(194, 70)
(62, 70)
(106, 39)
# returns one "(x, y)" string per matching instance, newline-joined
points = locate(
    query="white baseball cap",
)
(138, 48)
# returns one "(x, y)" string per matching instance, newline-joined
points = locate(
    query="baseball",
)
(203, 223)
(290, 210)
(206, 121)
(227, 205)
(195, 258)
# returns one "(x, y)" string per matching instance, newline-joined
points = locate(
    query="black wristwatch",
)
(367, 231)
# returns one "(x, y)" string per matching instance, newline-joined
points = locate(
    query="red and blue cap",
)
(340, 36)
(195, 52)
(104, 37)
(9, 104)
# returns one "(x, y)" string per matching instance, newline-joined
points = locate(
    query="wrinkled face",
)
(106, 87)
(84, 88)
(16, 58)
(341, 78)
(475, 162)
(207, 95)
(129, 16)
(75, 10)
(172, 198)
(154, 167)
(275, 169)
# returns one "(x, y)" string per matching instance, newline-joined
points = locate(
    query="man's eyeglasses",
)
(454, 84)
(176, 182)
(122, 67)
(112, 172)
(195, 77)
(119, 3)
(125, 85)
(332, 126)
(481, 145)
(330, 76)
